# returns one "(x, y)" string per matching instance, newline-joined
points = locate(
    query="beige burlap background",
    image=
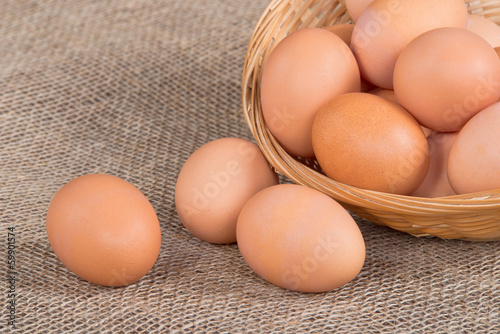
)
(132, 88)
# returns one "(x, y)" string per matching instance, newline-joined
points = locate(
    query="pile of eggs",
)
(405, 101)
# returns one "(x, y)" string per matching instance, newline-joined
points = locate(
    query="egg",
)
(445, 76)
(366, 86)
(214, 184)
(436, 182)
(344, 31)
(366, 141)
(103, 229)
(474, 160)
(300, 239)
(385, 27)
(356, 7)
(387, 94)
(485, 28)
(303, 72)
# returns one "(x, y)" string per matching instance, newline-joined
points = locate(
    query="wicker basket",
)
(467, 217)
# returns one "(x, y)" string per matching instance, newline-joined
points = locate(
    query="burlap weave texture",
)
(132, 88)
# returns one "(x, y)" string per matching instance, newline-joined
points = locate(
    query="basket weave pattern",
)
(467, 217)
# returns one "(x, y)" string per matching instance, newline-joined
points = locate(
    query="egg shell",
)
(103, 229)
(366, 141)
(386, 26)
(366, 86)
(436, 182)
(214, 184)
(387, 94)
(445, 76)
(300, 239)
(474, 161)
(356, 7)
(344, 31)
(303, 72)
(485, 28)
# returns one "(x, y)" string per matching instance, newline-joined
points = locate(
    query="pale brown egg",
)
(303, 72)
(366, 86)
(214, 184)
(386, 26)
(300, 239)
(103, 229)
(366, 141)
(485, 28)
(474, 161)
(436, 182)
(445, 76)
(356, 7)
(389, 95)
(344, 31)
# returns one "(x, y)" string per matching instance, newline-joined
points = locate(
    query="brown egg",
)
(366, 86)
(300, 239)
(387, 26)
(214, 184)
(356, 7)
(368, 142)
(305, 70)
(474, 161)
(387, 94)
(104, 230)
(485, 28)
(344, 31)
(445, 76)
(436, 182)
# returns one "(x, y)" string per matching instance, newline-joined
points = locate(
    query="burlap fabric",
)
(132, 88)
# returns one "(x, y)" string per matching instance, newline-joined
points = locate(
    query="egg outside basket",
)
(473, 217)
